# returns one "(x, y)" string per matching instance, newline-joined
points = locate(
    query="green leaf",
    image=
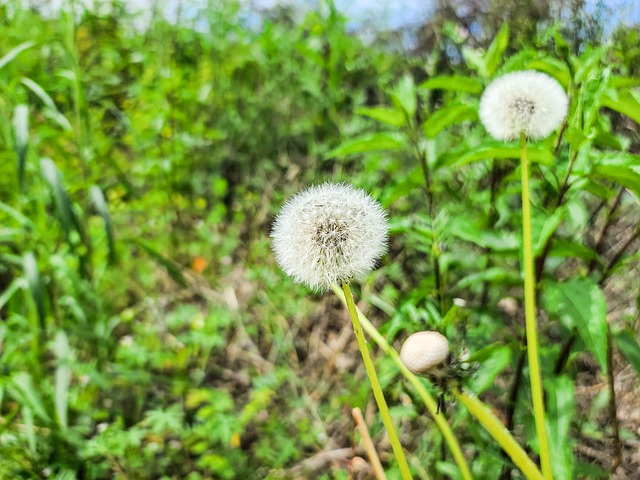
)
(458, 83)
(100, 204)
(404, 96)
(493, 57)
(21, 138)
(390, 116)
(580, 304)
(447, 116)
(29, 395)
(629, 347)
(61, 199)
(36, 287)
(490, 368)
(553, 67)
(561, 406)
(571, 249)
(622, 102)
(368, 143)
(621, 175)
(492, 151)
(62, 378)
(549, 226)
(51, 109)
(13, 53)
(172, 269)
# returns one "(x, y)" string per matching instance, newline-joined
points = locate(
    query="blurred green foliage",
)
(145, 331)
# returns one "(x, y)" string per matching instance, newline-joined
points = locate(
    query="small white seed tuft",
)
(424, 350)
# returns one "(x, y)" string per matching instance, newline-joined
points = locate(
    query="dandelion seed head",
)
(527, 101)
(330, 233)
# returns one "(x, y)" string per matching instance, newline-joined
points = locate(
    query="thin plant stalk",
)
(530, 317)
(374, 460)
(477, 408)
(375, 385)
(428, 400)
(500, 434)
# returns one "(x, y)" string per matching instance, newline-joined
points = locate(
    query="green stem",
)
(428, 400)
(375, 385)
(530, 317)
(500, 434)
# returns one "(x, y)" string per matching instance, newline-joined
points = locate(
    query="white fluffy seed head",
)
(423, 351)
(328, 234)
(527, 101)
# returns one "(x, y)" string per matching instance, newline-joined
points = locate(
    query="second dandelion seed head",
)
(526, 102)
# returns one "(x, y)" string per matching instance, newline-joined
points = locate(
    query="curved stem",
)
(500, 434)
(375, 385)
(530, 317)
(428, 400)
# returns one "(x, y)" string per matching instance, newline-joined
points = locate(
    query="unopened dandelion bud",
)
(424, 352)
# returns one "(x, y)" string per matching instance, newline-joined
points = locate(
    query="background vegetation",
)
(145, 329)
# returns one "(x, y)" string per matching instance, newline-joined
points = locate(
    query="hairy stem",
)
(530, 317)
(375, 385)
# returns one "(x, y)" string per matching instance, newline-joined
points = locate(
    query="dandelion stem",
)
(530, 317)
(375, 385)
(428, 400)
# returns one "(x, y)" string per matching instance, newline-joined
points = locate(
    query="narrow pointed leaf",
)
(21, 138)
(100, 204)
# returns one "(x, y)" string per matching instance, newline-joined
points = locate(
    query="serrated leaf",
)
(489, 151)
(447, 116)
(368, 143)
(458, 83)
(493, 57)
(629, 347)
(390, 116)
(579, 303)
(100, 204)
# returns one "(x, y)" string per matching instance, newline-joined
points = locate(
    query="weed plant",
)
(145, 328)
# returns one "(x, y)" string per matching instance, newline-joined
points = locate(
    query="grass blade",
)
(64, 209)
(62, 378)
(172, 269)
(51, 109)
(34, 282)
(100, 204)
(21, 138)
(13, 53)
